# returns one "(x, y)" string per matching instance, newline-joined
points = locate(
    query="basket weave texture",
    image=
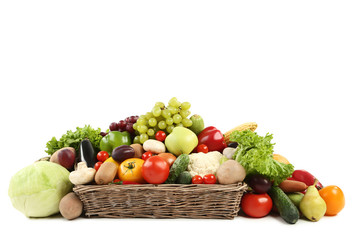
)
(161, 201)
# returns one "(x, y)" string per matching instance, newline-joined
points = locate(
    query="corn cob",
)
(246, 126)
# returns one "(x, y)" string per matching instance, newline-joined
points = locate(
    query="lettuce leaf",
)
(73, 139)
(255, 154)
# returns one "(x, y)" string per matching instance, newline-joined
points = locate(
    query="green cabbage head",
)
(36, 190)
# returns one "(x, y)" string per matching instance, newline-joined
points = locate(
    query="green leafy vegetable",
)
(255, 154)
(73, 139)
(37, 189)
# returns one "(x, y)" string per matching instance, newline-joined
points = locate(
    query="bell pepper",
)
(307, 178)
(212, 138)
(114, 139)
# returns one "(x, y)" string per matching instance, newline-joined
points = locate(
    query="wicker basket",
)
(161, 201)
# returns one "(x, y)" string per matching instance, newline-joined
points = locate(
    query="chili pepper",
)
(212, 138)
(113, 140)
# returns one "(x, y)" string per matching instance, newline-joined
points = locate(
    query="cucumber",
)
(296, 198)
(181, 163)
(184, 178)
(288, 211)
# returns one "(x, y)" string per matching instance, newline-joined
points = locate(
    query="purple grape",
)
(103, 134)
(133, 119)
(114, 126)
(129, 128)
(122, 125)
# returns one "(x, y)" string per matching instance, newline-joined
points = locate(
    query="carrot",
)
(106, 173)
(289, 186)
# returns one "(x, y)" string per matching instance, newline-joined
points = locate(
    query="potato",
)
(230, 172)
(138, 150)
(106, 173)
(70, 206)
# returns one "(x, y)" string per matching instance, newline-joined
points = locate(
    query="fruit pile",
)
(166, 146)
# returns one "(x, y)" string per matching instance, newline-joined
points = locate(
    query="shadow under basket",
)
(161, 201)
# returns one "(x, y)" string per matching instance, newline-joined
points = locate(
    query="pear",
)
(312, 206)
(197, 124)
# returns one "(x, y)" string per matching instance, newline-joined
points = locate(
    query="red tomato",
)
(146, 155)
(97, 165)
(155, 170)
(209, 179)
(102, 156)
(160, 136)
(256, 205)
(197, 179)
(202, 148)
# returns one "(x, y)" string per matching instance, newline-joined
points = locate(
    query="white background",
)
(290, 66)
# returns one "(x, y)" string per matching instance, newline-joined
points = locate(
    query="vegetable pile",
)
(168, 146)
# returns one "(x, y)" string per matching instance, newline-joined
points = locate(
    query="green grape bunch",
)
(164, 118)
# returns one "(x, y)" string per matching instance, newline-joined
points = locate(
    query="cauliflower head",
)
(204, 163)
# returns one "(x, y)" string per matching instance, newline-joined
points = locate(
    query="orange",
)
(130, 170)
(280, 158)
(334, 198)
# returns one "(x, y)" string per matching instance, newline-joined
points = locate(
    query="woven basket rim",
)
(235, 186)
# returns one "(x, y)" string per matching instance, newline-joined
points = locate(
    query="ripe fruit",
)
(155, 170)
(209, 179)
(102, 156)
(312, 205)
(181, 140)
(160, 136)
(130, 170)
(280, 158)
(197, 124)
(164, 118)
(197, 179)
(202, 148)
(334, 199)
(256, 205)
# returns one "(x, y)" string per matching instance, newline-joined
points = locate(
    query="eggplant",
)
(122, 153)
(87, 153)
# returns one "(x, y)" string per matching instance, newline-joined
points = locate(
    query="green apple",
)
(181, 140)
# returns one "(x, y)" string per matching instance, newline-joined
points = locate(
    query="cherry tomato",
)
(256, 205)
(209, 179)
(97, 165)
(202, 148)
(102, 156)
(197, 179)
(334, 199)
(146, 155)
(160, 136)
(155, 170)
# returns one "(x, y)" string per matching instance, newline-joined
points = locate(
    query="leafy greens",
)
(73, 139)
(255, 154)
